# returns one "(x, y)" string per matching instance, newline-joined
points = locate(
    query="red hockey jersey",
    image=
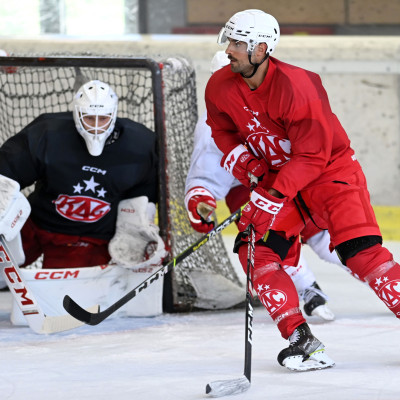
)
(287, 121)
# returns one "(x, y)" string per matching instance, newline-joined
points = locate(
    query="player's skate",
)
(305, 352)
(315, 303)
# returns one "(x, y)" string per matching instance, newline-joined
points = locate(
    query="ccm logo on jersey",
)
(94, 169)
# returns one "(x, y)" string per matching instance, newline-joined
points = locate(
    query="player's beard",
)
(241, 67)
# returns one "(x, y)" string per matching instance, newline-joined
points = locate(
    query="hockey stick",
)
(95, 318)
(38, 321)
(239, 385)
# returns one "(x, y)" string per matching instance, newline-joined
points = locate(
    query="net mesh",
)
(33, 90)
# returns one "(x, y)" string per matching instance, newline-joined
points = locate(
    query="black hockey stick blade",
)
(90, 318)
(76, 310)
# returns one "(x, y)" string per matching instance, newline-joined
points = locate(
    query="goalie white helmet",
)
(252, 27)
(219, 60)
(95, 111)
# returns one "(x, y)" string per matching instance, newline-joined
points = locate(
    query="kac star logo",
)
(272, 299)
(389, 292)
(83, 208)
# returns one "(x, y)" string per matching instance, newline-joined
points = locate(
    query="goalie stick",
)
(38, 321)
(239, 385)
(91, 318)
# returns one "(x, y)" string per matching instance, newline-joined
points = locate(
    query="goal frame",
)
(208, 280)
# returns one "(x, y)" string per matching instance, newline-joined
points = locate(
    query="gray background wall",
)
(361, 75)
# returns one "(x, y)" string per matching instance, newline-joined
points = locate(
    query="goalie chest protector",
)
(76, 193)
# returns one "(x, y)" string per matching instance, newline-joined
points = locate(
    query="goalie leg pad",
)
(101, 285)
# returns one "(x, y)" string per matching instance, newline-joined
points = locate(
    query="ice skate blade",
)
(323, 312)
(317, 360)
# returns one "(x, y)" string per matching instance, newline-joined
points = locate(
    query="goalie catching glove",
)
(136, 243)
(241, 164)
(200, 204)
(261, 212)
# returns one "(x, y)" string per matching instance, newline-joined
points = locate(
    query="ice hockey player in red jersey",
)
(207, 182)
(273, 120)
(83, 164)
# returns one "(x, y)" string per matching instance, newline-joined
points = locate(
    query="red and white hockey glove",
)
(240, 163)
(200, 204)
(261, 212)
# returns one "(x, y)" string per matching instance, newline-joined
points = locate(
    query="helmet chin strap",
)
(256, 65)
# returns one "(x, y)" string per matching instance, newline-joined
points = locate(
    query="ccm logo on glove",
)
(265, 204)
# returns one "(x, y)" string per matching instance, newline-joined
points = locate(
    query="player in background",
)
(92, 173)
(207, 182)
(274, 121)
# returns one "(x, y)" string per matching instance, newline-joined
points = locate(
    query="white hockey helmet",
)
(219, 60)
(252, 27)
(95, 98)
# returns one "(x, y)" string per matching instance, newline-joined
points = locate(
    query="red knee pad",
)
(278, 294)
(364, 263)
(386, 285)
(375, 266)
(275, 289)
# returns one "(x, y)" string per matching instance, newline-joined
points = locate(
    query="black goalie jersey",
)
(76, 193)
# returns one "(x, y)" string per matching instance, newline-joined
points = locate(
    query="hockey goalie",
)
(91, 224)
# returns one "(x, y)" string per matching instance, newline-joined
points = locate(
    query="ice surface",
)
(174, 356)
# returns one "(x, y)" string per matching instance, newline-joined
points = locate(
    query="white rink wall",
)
(361, 75)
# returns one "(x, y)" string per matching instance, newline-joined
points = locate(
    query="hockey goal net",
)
(160, 94)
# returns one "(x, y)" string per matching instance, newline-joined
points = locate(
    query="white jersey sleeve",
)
(205, 169)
